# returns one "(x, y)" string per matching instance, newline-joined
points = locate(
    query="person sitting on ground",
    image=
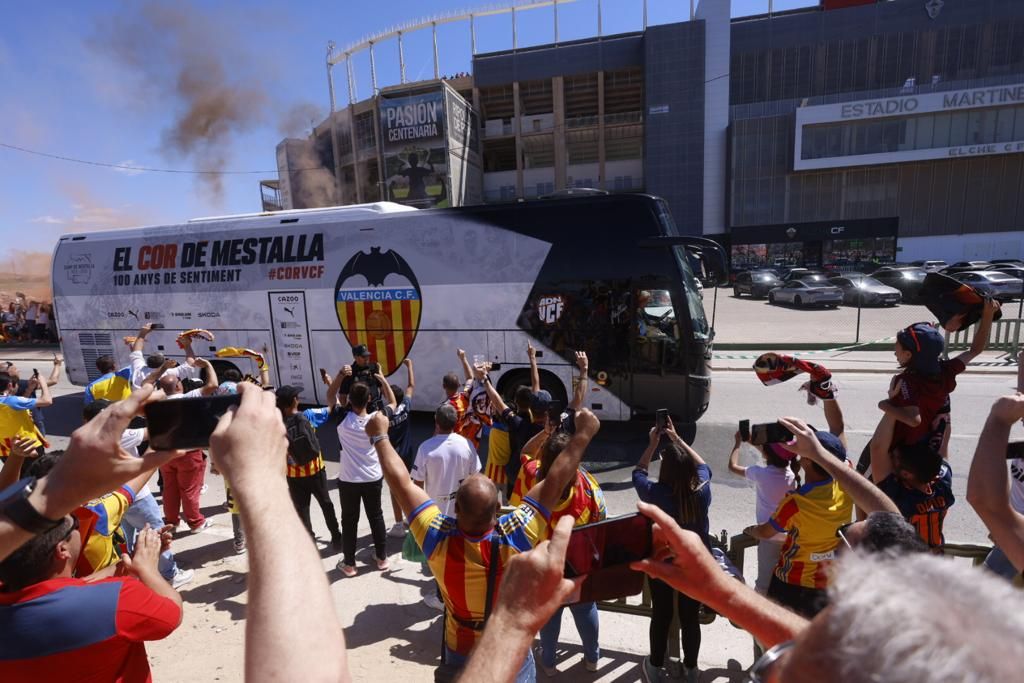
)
(462, 550)
(916, 478)
(398, 432)
(683, 491)
(307, 476)
(359, 473)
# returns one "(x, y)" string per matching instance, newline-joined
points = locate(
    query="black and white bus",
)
(608, 274)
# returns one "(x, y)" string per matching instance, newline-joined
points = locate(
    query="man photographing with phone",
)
(362, 371)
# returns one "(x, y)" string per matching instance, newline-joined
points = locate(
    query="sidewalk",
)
(858, 361)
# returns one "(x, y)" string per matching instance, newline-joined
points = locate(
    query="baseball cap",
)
(361, 350)
(287, 392)
(832, 444)
(540, 400)
(925, 344)
(780, 451)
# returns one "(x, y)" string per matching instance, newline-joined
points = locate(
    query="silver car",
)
(801, 293)
(993, 283)
(866, 291)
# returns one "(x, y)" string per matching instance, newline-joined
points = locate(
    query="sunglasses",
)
(767, 662)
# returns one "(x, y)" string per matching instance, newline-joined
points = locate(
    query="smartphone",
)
(602, 551)
(661, 418)
(771, 432)
(156, 326)
(744, 430)
(323, 375)
(186, 423)
(1014, 450)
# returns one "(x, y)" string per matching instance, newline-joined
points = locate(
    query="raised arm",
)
(265, 369)
(681, 560)
(152, 377)
(410, 386)
(881, 445)
(533, 446)
(467, 370)
(579, 394)
(670, 432)
(333, 397)
(834, 418)
(734, 457)
(494, 396)
(981, 334)
(212, 382)
(653, 438)
(408, 494)
(988, 489)
(54, 377)
(385, 389)
(21, 450)
(531, 353)
(866, 495)
(563, 469)
(249, 446)
(45, 400)
(140, 337)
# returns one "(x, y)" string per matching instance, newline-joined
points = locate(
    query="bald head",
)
(476, 504)
(170, 384)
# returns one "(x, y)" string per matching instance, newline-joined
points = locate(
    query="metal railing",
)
(1005, 337)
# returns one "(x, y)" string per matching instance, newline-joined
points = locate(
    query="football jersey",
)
(810, 516)
(585, 502)
(99, 524)
(498, 451)
(926, 510)
(460, 563)
(931, 396)
(16, 422)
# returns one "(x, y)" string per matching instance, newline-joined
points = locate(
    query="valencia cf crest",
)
(378, 302)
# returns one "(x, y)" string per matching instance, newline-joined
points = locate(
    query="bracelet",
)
(374, 440)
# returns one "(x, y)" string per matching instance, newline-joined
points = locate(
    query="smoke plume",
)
(185, 60)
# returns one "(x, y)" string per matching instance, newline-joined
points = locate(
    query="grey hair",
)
(922, 618)
(445, 417)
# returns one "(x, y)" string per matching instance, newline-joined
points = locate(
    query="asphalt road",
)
(735, 319)
(736, 396)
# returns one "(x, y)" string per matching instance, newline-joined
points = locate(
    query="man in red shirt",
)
(58, 628)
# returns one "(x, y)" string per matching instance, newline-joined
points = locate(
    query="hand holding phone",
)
(661, 418)
(601, 552)
(186, 423)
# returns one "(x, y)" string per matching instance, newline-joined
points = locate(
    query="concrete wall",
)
(951, 248)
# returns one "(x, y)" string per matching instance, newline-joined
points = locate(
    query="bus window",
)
(657, 331)
(694, 303)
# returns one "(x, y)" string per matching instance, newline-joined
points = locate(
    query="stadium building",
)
(850, 130)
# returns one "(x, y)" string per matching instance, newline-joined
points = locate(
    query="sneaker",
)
(691, 675)
(336, 541)
(549, 671)
(202, 527)
(649, 672)
(348, 570)
(239, 544)
(383, 564)
(204, 489)
(590, 666)
(182, 577)
(397, 531)
(432, 601)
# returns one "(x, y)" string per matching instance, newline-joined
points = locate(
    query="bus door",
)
(657, 343)
(292, 358)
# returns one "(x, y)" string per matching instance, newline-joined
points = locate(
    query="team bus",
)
(608, 274)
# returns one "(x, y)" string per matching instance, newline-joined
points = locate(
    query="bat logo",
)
(378, 302)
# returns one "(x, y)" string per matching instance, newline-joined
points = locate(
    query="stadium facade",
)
(850, 130)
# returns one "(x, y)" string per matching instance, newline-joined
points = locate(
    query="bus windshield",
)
(694, 303)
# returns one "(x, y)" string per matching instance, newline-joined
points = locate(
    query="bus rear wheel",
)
(511, 381)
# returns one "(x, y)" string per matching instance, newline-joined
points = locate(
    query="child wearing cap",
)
(919, 395)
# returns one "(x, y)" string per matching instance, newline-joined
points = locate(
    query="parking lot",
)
(746, 320)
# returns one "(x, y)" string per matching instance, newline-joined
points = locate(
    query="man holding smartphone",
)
(364, 371)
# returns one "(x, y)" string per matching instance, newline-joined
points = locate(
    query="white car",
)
(800, 293)
(994, 283)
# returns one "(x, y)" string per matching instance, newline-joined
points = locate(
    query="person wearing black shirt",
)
(362, 370)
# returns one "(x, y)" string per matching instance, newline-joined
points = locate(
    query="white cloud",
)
(127, 167)
(48, 220)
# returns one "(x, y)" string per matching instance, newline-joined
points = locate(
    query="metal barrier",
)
(1005, 336)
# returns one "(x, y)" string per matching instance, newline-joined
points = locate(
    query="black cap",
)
(361, 350)
(287, 393)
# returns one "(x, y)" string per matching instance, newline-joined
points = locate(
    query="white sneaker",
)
(202, 527)
(397, 531)
(182, 577)
(204, 489)
(432, 601)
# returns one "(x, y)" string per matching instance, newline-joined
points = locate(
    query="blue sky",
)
(103, 81)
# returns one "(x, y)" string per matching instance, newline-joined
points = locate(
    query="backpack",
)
(303, 446)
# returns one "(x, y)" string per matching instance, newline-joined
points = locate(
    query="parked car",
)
(801, 273)
(756, 283)
(964, 266)
(907, 280)
(866, 291)
(929, 266)
(1008, 262)
(802, 293)
(994, 283)
(1012, 269)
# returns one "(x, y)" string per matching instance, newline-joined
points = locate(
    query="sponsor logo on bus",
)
(378, 302)
(78, 269)
(550, 308)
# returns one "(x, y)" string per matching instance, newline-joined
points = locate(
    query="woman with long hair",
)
(772, 481)
(683, 491)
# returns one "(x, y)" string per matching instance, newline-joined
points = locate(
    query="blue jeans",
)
(527, 672)
(140, 513)
(585, 616)
(1000, 565)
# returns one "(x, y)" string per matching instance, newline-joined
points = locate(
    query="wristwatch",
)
(374, 440)
(14, 505)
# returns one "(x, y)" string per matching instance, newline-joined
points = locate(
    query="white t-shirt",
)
(1017, 485)
(359, 463)
(130, 441)
(140, 371)
(32, 312)
(195, 393)
(442, 462)
(771, 484)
